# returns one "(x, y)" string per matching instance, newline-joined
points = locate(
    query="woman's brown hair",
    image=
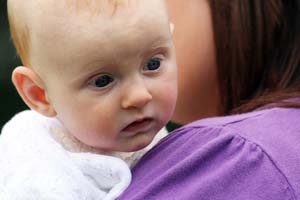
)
(258, 52)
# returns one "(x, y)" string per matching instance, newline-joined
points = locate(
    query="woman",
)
(235, 57)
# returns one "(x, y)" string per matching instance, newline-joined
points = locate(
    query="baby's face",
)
(111, 78)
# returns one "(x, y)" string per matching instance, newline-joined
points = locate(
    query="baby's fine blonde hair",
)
(20, 30)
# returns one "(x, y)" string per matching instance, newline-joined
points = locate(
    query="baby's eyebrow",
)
(161, 40)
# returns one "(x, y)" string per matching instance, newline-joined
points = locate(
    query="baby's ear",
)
(30, 88)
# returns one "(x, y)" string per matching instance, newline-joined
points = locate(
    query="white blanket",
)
(34, 166)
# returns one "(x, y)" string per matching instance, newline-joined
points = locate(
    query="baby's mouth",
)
(138, 125)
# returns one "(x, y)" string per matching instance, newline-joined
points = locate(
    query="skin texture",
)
(71, 52)
(198, 95)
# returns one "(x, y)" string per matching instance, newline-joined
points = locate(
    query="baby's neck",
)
(72, 144)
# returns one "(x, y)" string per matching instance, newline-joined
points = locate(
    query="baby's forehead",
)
(59, 28)
(43, 11)
(52, 15)
(35, 11)
(30, 11)
(95, 6)
(91, 7)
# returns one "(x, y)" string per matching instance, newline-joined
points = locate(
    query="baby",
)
(100, 79)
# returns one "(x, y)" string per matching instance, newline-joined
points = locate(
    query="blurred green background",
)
(11, 103)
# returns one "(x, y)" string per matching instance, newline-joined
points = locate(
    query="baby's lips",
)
(138, 125)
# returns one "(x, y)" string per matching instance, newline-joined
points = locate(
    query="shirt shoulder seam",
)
(237, 134)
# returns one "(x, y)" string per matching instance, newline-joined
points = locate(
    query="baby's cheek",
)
(169, 97)
(91, 131)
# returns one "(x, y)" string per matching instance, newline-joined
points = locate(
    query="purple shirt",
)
(253, 156)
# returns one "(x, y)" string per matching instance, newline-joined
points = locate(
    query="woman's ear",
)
(30, 88)
(172, 27)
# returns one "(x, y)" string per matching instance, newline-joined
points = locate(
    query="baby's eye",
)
(101, 81)
(153, 64)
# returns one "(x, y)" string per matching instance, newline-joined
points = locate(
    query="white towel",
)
(34, 166)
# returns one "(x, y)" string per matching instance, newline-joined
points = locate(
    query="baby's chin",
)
(139, 147)
(126, 149)
(142, 142)
(131, 144)
(133, 148)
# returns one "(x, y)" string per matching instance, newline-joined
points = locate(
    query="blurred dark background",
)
(11, 103)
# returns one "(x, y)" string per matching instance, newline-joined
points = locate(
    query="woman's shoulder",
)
(275, 131)
(270, 129)
(270, 133)
(235, 157)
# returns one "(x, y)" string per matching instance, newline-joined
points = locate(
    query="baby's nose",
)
(137, 96)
